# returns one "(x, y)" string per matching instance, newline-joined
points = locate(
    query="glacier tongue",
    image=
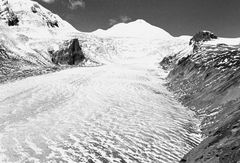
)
(119, 112)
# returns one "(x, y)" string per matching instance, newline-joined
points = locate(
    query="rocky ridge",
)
(208, 81)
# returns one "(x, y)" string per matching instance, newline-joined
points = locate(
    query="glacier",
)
(115, 106)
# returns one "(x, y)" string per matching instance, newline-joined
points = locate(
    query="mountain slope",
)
(207, 80)
(31, 36)
(32, 16)
(136, 29)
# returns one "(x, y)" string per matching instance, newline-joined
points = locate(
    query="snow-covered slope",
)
(36, 30)
(37, 21)
(136, 29)
(29, 34)
(207, 80)
(27, 29)
(228, 41)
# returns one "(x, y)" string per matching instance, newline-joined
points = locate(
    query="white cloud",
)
(112, 22)
(48, 1)
(120, 19)
(72, 4)
(125, 19)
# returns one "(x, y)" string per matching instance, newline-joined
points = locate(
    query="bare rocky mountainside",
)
(208, 81)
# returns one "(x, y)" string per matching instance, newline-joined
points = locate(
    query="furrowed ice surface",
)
(120, 112)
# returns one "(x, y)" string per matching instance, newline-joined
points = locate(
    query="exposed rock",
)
(53, 23)
(166, 63)
(169, 61)
(7, 15)
(13, 19)
(70, 54)
(201, 37)
(208, 82)
(35, 8)
(177, 52)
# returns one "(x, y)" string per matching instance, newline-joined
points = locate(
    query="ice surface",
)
(119, 112)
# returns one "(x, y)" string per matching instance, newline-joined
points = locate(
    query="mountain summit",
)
(138, 29)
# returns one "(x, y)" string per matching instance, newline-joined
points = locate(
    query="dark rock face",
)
(35, 8)
(7, 15)
(11, 67)
(13, 20)
(208, 82)
(70, 54)
(201, 37)
(169, 61)
(52, 23)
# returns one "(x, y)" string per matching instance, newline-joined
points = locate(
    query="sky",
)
(178, 17)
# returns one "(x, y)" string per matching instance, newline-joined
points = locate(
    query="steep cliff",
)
(70, 54)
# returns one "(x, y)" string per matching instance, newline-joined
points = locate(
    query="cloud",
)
(112, 22)
(72, 4)
(125, 19)
(48, 1)
(120, 19)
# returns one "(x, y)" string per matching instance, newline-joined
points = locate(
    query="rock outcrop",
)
(71, 53)
(208, 82)
(201, 37)
(7, 15)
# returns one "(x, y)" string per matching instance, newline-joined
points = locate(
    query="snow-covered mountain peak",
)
(136, 22)
(31, 18)
(136, 29)
(140, 21)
